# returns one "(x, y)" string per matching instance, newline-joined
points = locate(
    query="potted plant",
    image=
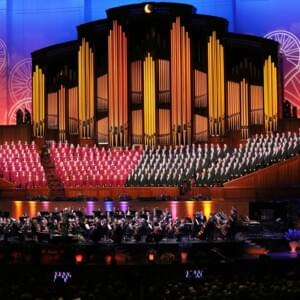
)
(293, 236)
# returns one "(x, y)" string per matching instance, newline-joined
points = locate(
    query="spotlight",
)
(108, 259)
(151, 256)
(79, 258)
(183, 257)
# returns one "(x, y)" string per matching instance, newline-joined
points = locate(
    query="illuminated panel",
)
(108, 206)
(45, 205)
(180, 84)
(174, 209)
(89, 208)
(149, 101)
(270, 95)
(244, 109)
(190, 208)
(86, 90)
(38, 100)
(233, 106)
(32, 209)
(207, 208)
(124, 206)
(216, 95)
(17, 209)
(117, 86)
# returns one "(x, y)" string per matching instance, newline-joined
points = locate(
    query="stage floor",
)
(178, 208)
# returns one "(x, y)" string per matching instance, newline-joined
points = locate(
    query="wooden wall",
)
(115, 192)
(15, 132)
(11, 193)
(283, 174)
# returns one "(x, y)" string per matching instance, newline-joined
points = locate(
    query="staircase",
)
(56, 188)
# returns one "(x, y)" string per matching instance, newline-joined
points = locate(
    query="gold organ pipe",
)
(222, 91)
(38, 101)
(210, 107)
(173, 87)
(178, 72)
(265, 97)
(33, 101)
(110, 89)
(90, 87)
(188, 80)
(275, 100)
(216, 92)
(86, 90)
(183, 92)
(43, 104)
(39, 104)
(270, 95)
(93, 95)
(80, 90)
(149, 99)
(34, 104)
(116, 79)
(215, 81)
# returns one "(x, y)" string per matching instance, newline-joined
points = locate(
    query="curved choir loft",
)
(165, 76)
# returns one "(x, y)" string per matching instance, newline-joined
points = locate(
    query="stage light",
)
(79, 258)
(151, 256)
(183, 257)
(108, 259)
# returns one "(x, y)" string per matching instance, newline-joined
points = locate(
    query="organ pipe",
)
(216, 89)
(244, 109)
(62, 113)
(52, 110)
(117, 86)
(200, 89)
(86, 90)
(73, 110)
(233, 105)
(270, 95)
(257, 104)
(38, 102)
(180, 84)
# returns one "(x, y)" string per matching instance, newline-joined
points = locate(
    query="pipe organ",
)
(169, 76)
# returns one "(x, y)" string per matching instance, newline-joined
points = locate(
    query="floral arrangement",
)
(292, 235)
